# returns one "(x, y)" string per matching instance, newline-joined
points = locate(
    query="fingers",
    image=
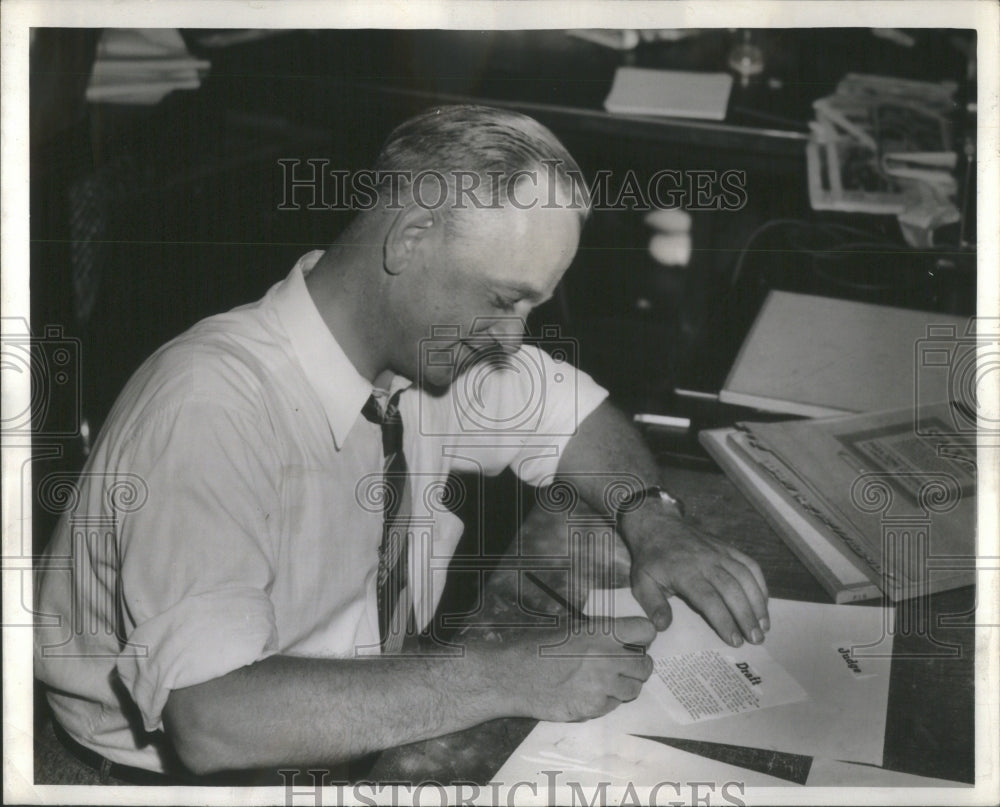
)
(703, 596)
(635, 630)
(638, 669)
(653, 600)
(752, 566)
(721, 599)
(721, 582)
(610, 704)
(607, 688)
(626, 689)
(756, 593)
(603, 682)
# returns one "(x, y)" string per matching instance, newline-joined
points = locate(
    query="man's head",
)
(464, 157)
(483, 221)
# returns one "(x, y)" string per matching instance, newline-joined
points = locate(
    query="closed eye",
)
(504, 304)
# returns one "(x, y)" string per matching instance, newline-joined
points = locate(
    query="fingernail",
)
(660, 619)
(756, 636)
(736, 640)
(765, 624)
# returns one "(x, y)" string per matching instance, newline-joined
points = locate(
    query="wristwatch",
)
(638, 498)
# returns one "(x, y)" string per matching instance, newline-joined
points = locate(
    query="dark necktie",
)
(394, 602)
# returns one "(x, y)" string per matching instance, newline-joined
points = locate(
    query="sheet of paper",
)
(835, 654)
(707, 684)
(560, 754)
(830, 773)
(557, 755)
(677, 93)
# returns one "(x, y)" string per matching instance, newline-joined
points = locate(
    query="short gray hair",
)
(491, 147)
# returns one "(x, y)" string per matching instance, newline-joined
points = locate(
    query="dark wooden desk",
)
(931, 711)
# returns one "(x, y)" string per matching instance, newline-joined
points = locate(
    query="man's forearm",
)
(324, 711)
(298, 711)
(670, 554)
(608, 444)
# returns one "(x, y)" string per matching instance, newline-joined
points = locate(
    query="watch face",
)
(673, 501)
(637, 499)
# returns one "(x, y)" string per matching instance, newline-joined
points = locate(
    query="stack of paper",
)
(564, 759)
(142, 65)
(773, 714)
(808, 696)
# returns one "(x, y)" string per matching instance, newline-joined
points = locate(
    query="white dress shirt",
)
(227, 512)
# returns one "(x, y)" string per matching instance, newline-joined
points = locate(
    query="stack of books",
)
(878, 502)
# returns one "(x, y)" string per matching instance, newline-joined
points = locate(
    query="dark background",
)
(147, 219)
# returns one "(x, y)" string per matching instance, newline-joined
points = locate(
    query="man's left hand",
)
(672, 556)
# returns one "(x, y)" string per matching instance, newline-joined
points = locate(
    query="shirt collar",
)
(342, 390)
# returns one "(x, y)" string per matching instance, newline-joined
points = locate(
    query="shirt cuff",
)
(196, 640)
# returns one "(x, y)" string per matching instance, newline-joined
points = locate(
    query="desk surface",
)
(931, 711)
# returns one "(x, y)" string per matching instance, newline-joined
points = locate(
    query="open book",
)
(879, 502)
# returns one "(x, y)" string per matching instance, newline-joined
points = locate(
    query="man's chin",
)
(437, 379)
(437, 385)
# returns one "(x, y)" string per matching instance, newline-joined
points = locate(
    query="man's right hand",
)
(560, 677)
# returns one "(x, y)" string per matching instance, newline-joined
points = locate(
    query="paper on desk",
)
(554, 755)
(707, 684)
(586, 754)
(842, 715)
(830, 773)
(675, 93)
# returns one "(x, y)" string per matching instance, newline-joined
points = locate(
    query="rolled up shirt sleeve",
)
(197, 559)
(521, 414)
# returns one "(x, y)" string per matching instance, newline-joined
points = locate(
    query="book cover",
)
(842, 573)
(898, 487)
(819, 356)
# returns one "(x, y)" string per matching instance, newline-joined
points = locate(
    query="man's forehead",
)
(523, 246)
(530, 213)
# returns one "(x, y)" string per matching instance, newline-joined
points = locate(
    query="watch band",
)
(637, 499)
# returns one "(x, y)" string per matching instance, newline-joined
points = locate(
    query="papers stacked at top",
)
(140, 66)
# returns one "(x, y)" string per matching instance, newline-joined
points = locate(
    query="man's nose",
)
(508, 332)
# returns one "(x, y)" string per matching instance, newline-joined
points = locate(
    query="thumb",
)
(653, 600)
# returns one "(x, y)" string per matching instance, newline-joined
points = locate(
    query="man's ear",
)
(411, 226)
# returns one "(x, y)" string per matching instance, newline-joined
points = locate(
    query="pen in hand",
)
(575, 613)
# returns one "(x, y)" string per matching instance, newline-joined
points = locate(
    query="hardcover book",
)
(884, 499)
(818, 356)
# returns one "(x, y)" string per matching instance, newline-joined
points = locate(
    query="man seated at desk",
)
(243, 603)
